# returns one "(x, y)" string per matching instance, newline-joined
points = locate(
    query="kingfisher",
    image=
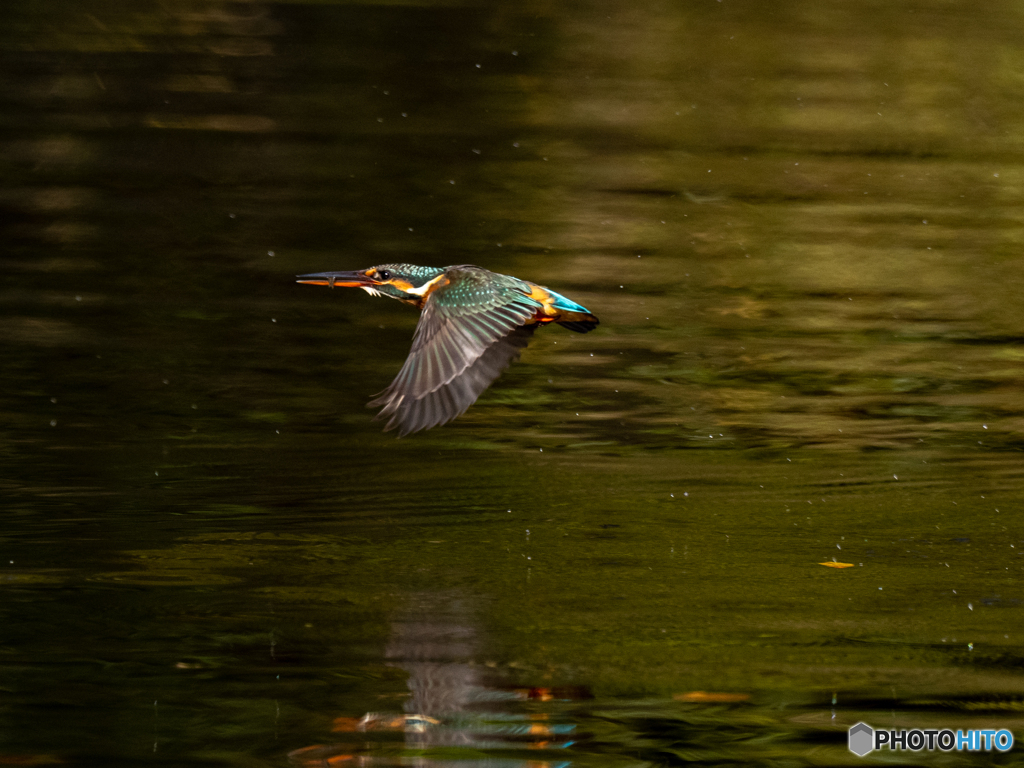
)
(473, 324)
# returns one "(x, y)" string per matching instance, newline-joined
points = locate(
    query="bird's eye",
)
(383, 274)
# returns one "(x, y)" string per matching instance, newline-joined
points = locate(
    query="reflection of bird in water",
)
(450, 703)
(433, 640)
(474, 323)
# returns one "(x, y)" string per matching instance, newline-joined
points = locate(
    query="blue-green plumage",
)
(567, 305)
(474, 323)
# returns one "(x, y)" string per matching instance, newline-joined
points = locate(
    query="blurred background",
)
(800, 225)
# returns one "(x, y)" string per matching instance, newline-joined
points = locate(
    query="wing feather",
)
(471, 329)
(409, 414)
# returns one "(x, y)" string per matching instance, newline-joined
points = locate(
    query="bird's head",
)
(405, 282)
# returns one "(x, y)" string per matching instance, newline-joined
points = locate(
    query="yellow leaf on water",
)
(834, 564)
(706, 697)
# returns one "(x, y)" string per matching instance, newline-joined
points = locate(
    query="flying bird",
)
(473, 323)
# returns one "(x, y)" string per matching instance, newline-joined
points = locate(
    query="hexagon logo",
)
(861, 738)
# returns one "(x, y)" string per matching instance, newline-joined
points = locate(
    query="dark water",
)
(800, 224)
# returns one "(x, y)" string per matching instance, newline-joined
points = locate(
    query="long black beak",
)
(332, 279)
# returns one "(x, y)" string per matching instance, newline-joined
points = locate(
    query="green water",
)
(800, 225)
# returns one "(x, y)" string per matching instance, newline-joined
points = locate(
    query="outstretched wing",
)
(470, 330)
(453, 398)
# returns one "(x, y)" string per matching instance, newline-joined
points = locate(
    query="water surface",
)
(800, 225)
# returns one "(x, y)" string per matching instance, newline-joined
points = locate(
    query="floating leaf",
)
(704, 697)
(834, 564)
